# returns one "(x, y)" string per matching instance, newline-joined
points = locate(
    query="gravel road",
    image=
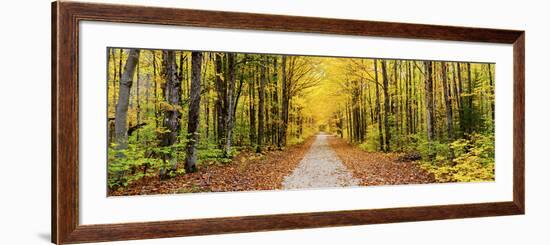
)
(320, 168)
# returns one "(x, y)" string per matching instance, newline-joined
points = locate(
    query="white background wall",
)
(25, 121)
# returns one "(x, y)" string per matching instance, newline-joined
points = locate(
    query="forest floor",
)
(378, 168)
(247, 171)
(319, 162)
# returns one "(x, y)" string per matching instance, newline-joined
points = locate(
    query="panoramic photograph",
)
(183, 121)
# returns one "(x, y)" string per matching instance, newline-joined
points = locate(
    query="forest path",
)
(319, 168)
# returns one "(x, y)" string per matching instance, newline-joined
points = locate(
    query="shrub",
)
(474, 161)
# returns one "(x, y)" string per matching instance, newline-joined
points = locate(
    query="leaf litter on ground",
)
(378, 168)
(248, 171)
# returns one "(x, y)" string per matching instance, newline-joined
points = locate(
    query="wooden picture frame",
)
(65, 121)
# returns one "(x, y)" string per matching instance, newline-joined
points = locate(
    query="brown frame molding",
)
(65, 30)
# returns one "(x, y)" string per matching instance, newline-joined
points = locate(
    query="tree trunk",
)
(470, 108)
(350, 124)
(120, 54)
(369, 101)
(229, 117)
(114, 78)
(138, 109)
(285, 105)
(112, 104)
(386, 106)
(448, 108)
(172, 114)
(275, 108)
(454, 90)
(378, 114)
(194, 113)
(395, 103)
(261, 112)
(155, 89)
(461, 111)
(237, 95)
(221, 107)
(121, 114)
(364, 114)
(408, 99)
(434, 97)
(207, 101)
(252, 109)
(267, 104)
(470, 87)
(429, 105)
(491, 92)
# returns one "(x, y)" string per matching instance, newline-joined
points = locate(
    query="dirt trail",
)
(319, 168)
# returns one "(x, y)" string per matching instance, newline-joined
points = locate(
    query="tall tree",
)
(120, 54)
(395, 101)
(469, 110)
(275, 107)
(491, 92)
(155, 89)
(448, 108)
(454, 92)
(206, 85)
(251, 106)
(261, 97)
(221, 107)
(378, 114)
(194, 111)
(114, 78)
(285, 104)
(429, 104)
(408, 88)
(460, 90)
(386, 106)
(229, 118)
(125, 86)
(172, 111)
(138, 104)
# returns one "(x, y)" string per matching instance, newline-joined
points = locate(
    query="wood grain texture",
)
(65, 121)
(65, 221)
(196, 227)
(234, 20)
(519, 122)
(54, 122)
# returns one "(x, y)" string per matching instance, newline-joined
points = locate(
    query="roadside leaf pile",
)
(246, 172)
(377, 168)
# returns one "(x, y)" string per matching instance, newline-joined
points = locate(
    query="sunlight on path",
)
(320, 168)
